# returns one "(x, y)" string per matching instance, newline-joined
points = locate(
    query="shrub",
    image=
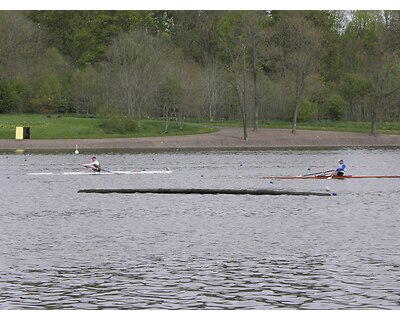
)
(113, 121)
(307, 111)
(335, 106)
(11, 96)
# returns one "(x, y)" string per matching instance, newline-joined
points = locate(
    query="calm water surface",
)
(64, 250)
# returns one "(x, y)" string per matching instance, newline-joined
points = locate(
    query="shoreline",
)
(224, 139)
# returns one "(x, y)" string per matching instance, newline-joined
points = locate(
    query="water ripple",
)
(64, 250)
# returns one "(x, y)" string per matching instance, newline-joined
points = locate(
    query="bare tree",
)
(383, 59)
(136, 62)
(235, 49)
(238, 79)
(169, 95)
(385, 82)
(373, 45)
(211, 81)
(257, 34)
(300, 41)
(85, 90)
(181, 92)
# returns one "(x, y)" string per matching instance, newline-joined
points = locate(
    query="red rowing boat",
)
(328, 177)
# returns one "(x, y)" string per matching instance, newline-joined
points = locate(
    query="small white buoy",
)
(327, 189)
(76, 149)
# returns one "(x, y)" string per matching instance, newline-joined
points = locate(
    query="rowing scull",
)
(101, 172)
(328, 177)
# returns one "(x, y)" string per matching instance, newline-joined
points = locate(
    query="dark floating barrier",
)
(210, 191)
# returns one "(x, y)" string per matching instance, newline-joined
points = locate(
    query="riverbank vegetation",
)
(392, 127)
(79, 127)
(118, 69)
(73, 127)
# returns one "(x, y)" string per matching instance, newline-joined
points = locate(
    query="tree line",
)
(123, 66)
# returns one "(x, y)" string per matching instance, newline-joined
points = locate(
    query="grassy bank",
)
(70, 127)
(345, 126)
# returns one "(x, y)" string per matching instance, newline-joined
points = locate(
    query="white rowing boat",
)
(100, 173)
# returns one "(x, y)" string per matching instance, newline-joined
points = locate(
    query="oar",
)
(109, 171)
(101, 170)
(104, 170)
(321, 172)
(90, 167)
(331, 175)
(85, 165)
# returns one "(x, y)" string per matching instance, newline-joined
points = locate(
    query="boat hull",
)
(328, 177)
(99, 173)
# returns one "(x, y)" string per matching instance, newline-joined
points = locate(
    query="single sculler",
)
(94, 165)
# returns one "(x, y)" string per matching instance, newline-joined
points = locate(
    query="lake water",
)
(60, 249)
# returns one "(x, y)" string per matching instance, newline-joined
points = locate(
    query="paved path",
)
(225, 138)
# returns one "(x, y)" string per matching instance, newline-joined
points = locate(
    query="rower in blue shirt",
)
(341, 169)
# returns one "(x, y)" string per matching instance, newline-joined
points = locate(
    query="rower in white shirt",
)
(94, 165)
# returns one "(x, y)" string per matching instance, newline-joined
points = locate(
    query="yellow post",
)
(19, 133)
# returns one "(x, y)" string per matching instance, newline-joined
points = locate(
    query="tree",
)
(181, 92)
(85, 36)
(12, 95)
(257, 33)
(85, 90)
(135, 62)
(196, 33)
(300, 43)
(20, 44)
(384, 60)
(377, 57)
(50, 86)
(235, 57)
(170, 96)
(331, 24)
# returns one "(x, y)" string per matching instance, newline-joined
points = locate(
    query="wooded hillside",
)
(203, 65)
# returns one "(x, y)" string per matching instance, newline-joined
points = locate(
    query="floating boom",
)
(210, 191)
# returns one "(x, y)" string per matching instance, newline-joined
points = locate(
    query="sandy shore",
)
(225, 138)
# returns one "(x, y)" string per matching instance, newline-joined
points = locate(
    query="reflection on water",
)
(64, 250)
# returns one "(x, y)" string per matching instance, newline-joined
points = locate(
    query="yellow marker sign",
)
(22, 133)
(19, 133)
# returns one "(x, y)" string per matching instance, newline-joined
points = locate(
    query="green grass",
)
(351, 126)
(71, 127)
(74, 127)
(345, 126)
